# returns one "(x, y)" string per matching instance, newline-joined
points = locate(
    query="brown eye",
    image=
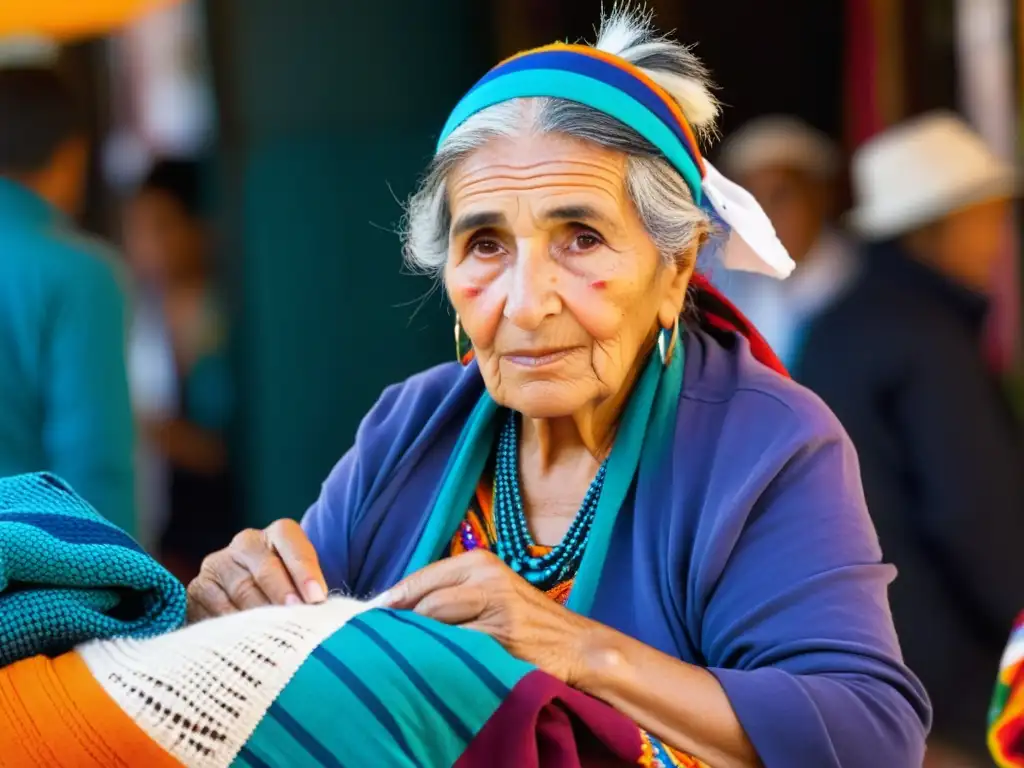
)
(585, 240)
(485, 248)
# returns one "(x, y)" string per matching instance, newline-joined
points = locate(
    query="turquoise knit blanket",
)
(67, 575)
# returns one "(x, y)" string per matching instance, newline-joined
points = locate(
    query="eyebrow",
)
(478, 220)
(483, 219)
(575, 213)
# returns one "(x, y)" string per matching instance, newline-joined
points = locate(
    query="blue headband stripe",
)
(583, 89)
(596, 69)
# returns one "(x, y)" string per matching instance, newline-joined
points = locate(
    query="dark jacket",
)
(898, 358)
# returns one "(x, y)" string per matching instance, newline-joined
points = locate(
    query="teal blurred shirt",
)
(63, 384)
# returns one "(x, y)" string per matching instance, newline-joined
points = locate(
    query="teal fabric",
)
(208, 385)
(67, 575)
(208, 392)
(416, 691)
(461, 476)
(605, 98)
(644, 434)
(656, 392)
(63, 382)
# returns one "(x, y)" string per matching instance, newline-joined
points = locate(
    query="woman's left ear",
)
(677, 281)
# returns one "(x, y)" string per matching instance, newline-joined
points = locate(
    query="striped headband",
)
(617, 88)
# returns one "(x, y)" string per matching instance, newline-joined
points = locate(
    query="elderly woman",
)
(615, 484)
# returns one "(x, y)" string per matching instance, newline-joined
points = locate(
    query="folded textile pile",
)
(1006, 714)
(68, 576)
(329, 685)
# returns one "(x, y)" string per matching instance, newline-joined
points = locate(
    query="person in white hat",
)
(933, 184)
(899, 359)
(791, 170)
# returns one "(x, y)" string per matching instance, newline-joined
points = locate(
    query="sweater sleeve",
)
(798, 631)
(330, 520)
(88, 430)
(382, 441)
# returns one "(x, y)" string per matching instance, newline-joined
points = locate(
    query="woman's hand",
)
(275, 566)
(478, 591)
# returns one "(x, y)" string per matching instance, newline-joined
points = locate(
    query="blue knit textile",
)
(67, 575)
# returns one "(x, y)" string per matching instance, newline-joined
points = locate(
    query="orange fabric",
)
(53, 714)
(66, 19)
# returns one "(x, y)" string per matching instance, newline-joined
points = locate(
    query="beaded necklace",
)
(514, 541)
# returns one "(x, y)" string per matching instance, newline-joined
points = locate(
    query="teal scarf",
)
(644, 436)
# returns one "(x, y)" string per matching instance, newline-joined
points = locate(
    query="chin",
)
(545, 400)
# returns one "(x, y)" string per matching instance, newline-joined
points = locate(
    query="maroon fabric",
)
(718, 313)
(543, 723)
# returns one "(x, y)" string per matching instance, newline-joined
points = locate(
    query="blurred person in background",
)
(899, 359)
(63, 383)
(181, 382)
(791, 168)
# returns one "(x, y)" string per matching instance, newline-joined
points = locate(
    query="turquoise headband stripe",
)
(558, 84)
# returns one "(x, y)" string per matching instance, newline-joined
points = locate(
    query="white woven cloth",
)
(200, 692)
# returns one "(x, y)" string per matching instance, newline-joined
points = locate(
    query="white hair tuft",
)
(629, 32)
(624, 28)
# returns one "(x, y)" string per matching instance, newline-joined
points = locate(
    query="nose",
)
(532, 295)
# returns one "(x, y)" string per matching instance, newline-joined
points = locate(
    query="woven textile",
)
(1006, 715)
(289, 687)
(200, 693)
(68, 576)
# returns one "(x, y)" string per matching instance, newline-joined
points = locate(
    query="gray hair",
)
(660, 195)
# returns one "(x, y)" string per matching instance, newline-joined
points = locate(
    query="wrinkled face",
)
(795, 204)
(556, 282)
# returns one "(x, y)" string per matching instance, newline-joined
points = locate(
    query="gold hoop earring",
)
(667, 340)
(460, 356)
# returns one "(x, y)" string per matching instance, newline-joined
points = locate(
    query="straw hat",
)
(921, 171)
(779, 140)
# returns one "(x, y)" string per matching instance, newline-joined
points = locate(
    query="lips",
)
(536, 358)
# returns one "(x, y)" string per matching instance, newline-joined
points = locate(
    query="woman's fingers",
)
(453, 605)
(247, 574)
(254, 573)
(452, 571)
(296, 553)
(411, 590)
(207, 599)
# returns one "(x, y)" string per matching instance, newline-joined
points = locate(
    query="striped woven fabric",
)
(334, 685)
(287, 687)
(1006, 715)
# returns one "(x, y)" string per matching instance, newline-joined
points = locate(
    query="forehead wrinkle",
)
(474, 164)
(466, 175)
(613, 193)
(545, 191)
